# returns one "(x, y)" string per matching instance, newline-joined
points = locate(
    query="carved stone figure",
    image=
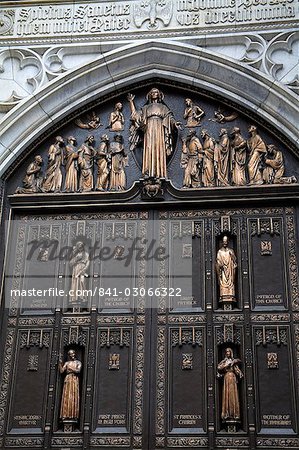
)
(70, 401)
(79, 264)
(116, 119)
(192, 114)
(208, 176)
(103, 158)
(92, 122)
(33, 179)
(226, 264)
(192, 160)
(228, 368)
(239, 146)
(152, 188)
(119, 161)
(71, 165)
(257, 148)
(156, 122)
(274, 165)
(53, 176)
(85, 161)
(222, 159)
(221, 118)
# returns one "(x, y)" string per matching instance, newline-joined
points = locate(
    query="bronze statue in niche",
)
(85, 161)
(158, 126)
(119, 160)
(192, 114)
(71, 165)
(257, 148)
(226, 264)
(70, 400)
(208, 176)
(33, 178)
(239, 147)
(53, 176)
(116, 118)
(222, 159)
(103, 158)
(79, 264)
(229, 370)
(192, 160)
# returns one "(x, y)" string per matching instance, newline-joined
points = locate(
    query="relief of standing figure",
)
(222, 159)
(71, 165)
(53, 176)
(116, 118)
(119, 161)
(228, 368)
(70, 401)
(158, 126)
(79, 264)
(239, 146)
(192, 114)
(191, 160)
(103, 158)
(85, 161)
(257, 148)
(226, 264)
(208, 177)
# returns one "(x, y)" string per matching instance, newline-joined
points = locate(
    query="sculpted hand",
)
(130, 97)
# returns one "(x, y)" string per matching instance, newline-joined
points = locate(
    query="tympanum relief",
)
(151, 134)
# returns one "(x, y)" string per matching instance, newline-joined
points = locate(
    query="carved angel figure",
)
(92, 122)
(158, 126)
(221, 118)
(228, 368)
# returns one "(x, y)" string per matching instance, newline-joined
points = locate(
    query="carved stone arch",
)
(182, 63)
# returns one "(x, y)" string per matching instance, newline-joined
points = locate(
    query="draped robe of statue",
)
(53, 176)
(118, 163)
(239, 146)
(222, 159)
(230, 411)
(226, 265)
(70, 401)
(191, 161)
(79, 264)
(157, 123)
(103, 160)
(33, 179)
(208, 177)
(257, 148)
(274, 169)
(85, 161)
(71, 169)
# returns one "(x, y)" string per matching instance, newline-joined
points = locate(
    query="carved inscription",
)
(133, 16)
(274, 420)
(112, 419)
(180, 420)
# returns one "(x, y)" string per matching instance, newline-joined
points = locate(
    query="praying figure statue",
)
(70, 401)
(33, 179)
(226, 264)
(116, 118)
(229, 370)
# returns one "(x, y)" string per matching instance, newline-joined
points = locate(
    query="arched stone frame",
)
(117, 69)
